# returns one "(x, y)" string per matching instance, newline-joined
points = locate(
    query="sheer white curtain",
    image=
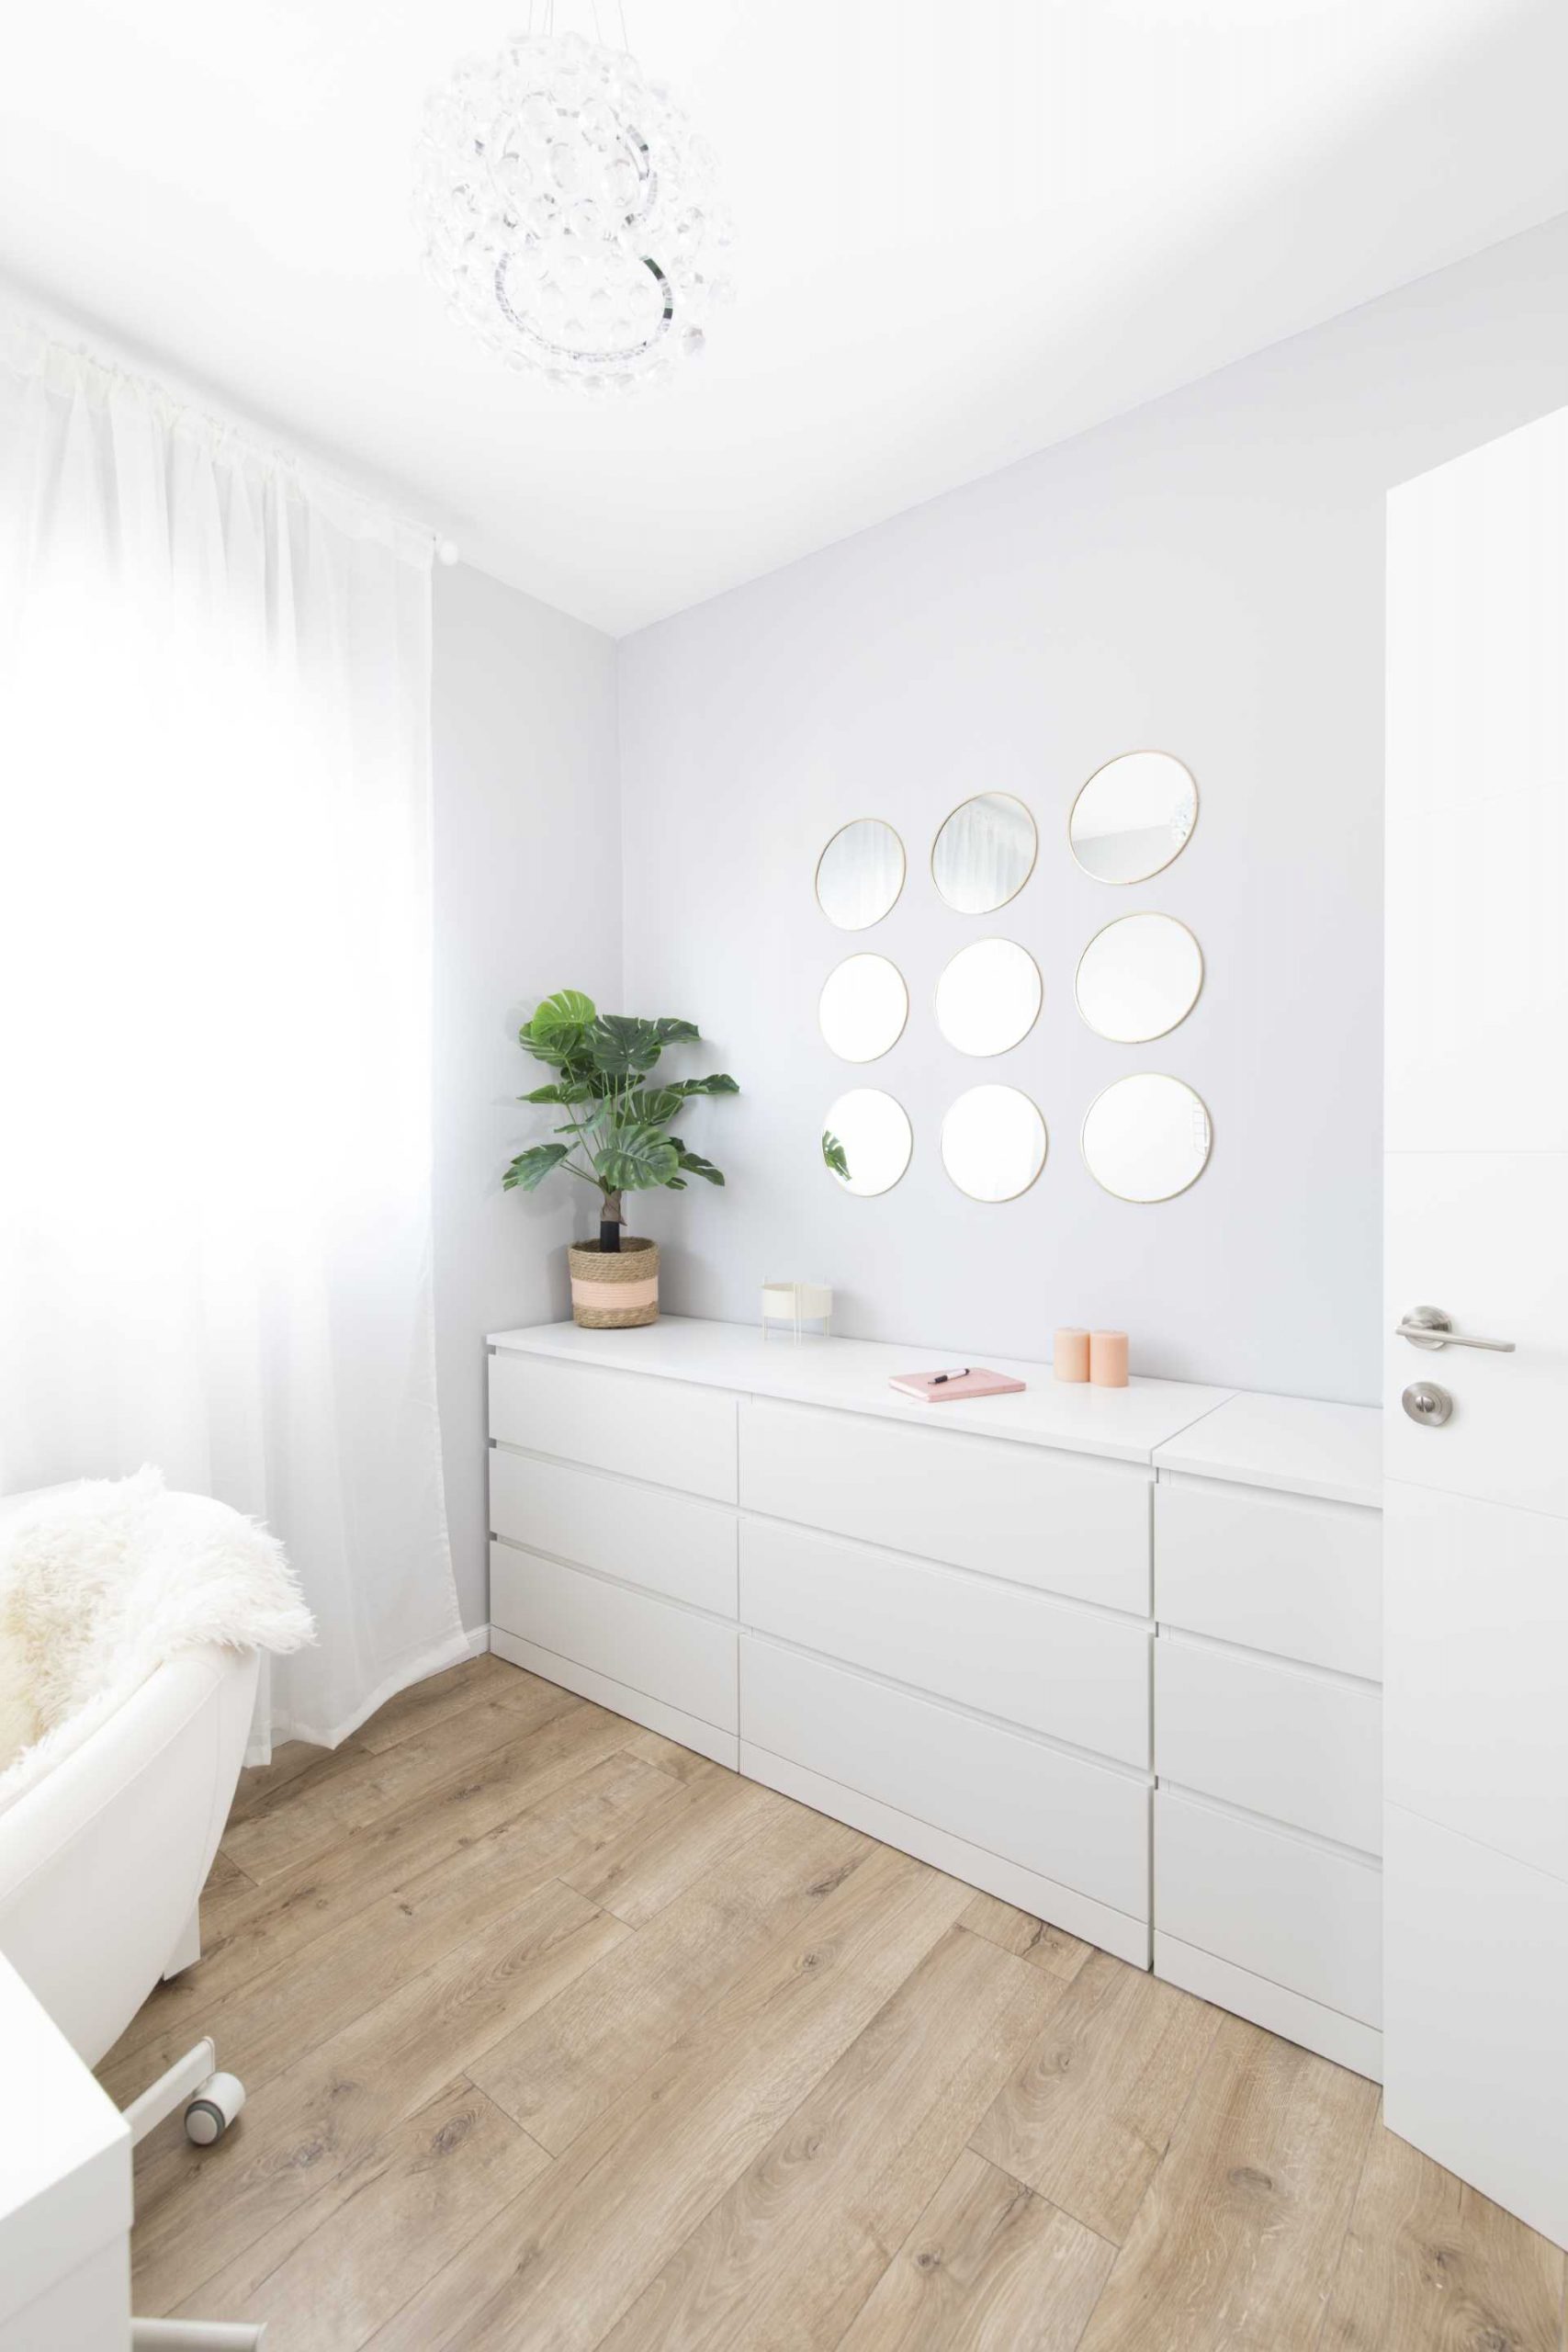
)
(215, 1003)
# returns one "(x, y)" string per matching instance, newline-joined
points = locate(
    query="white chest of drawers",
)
(940, 1625)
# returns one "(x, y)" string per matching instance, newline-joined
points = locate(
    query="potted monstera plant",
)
(620, 1139)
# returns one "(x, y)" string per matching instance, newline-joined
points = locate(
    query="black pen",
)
(937, 1378)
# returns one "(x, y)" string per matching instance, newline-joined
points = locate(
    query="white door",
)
(1476, 1207)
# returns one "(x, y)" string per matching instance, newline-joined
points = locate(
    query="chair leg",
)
(211, 2100)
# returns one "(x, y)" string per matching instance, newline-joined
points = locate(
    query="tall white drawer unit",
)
(1267, 1720)
(933, 1622)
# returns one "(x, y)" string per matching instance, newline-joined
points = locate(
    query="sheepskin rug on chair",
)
(103, 1582)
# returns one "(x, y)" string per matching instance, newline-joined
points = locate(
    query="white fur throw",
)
(103, 1582)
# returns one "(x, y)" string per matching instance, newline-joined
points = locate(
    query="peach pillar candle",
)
(1108, 1359)
(1069, 1355)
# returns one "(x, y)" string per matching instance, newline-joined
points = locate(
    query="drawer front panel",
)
(665, 1430)
(1062, 1524)
(655, 1646)
(1080, 1823)
(1300, 1580)
(671, 1544)
(1294, 1912)
(1079, 1676)
(1278, 1739)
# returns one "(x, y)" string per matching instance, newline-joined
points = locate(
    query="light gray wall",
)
(528, 859)
(1204, 575)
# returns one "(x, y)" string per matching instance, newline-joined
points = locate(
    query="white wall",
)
(1204, 575)
(527, 899)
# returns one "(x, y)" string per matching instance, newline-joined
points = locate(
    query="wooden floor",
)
(556, 2035)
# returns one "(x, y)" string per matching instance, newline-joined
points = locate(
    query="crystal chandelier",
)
(568, 212)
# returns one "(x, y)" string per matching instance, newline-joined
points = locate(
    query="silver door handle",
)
(1430, 1327)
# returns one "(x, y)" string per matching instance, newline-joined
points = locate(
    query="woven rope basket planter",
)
(614, 1293)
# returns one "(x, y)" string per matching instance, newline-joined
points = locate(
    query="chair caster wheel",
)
(213, 2109)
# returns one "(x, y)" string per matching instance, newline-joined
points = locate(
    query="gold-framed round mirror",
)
(866, 1141)
(1147, 1138)
(994, 1143)
(988, 997)
(1134, 816)
(1139, 979)
(985, 853)
(861, 873)
(863, 1008)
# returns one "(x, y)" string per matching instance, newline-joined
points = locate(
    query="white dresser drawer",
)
(1299, 1914)
(1075, 1673)
(666, 1430)
(1298, 1745)
(1061, 1522)
(1274, 1572)
(1084, 1825)
(672, 1544)
(655, 1646)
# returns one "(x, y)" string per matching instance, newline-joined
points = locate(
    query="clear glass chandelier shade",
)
(568, 212)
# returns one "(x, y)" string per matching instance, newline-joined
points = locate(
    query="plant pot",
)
(617, 1291)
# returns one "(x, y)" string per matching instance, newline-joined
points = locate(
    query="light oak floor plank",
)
(197, 2209)
(795, 2244)
(802, 2092)
(1235, 2242)
(1431, 2265)
(1088, 2117)
(259, 1783)
(559, 2269)
(301, 2000)
(703, 1822)
(326, 2277)
(227, 1893)
(1036, 1940)
(569, 2062)
(358, 1787)
(681, 1763)
(283, 1919)
(424, 1704)
(988, 2268)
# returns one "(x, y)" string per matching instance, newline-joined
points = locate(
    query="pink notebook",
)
(976, 1382)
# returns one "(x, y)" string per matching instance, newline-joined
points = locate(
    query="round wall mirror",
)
(860, 874)
(864, 1007)
(988, 997)
(993, 1143)
(867, 1140)
(1139, 977)
(1134, 816)
(1147, 1138)
(985, 853)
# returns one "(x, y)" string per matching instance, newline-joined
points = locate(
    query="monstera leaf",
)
(572, 1090)
(623, 1047)
(530, 1168)
(635, 1158)
(833, 1155)
(560, 1030)
(695, 1165)
(650, 1106)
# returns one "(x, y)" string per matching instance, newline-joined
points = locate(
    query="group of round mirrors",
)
(1145, 1138)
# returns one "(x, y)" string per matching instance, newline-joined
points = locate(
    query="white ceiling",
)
(966, 232)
